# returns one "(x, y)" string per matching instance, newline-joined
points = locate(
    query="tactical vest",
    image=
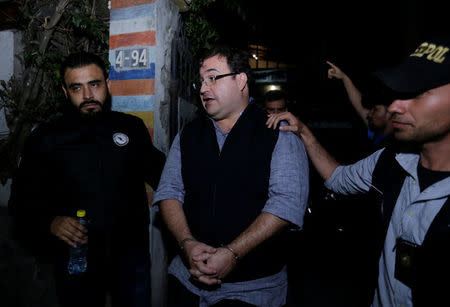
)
(431, 268)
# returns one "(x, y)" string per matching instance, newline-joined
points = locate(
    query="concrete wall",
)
(11, 48)
(141, 35)
(167, 23)
(132, 57)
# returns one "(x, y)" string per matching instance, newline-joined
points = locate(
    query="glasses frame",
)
(198, 85)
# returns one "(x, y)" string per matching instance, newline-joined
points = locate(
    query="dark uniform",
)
(99, 164)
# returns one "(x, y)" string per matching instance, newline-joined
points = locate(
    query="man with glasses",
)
(230, 191)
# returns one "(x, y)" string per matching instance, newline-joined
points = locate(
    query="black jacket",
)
(100, 165)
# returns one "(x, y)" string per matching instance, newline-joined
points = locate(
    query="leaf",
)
(77, 25)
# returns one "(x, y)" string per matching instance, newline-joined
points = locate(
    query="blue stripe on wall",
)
(133, 103)
(132, 74)
(132, 12)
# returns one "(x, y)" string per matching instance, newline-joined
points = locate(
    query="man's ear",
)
(108, 84)
(242, 79)
(65, 91)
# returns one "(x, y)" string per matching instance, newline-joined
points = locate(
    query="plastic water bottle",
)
(77, 259)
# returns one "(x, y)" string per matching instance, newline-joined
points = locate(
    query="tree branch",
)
(60, 8)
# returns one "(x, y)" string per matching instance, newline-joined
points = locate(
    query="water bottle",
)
(77, 259)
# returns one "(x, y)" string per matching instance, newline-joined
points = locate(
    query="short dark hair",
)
(375, 93)
(371, 99)
(81, 59)
(237, 59)
(275, 95)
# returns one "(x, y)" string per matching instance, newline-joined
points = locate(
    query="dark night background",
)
(334, 257)
(357, 36)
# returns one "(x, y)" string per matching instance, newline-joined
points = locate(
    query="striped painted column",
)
(132, 57)
(134, 52)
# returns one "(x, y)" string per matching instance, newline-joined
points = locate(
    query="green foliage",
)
(92, 28)
(198, 22)
(9, 95)
(79, 28)
(198, 28)
(51, 30)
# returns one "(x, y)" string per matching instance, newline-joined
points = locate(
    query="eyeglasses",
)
(211, 80)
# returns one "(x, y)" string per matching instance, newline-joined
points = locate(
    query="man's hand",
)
(222, 263)
(198, 255)
(335, 72)
(324, 163)
(294, 124)
(69, 230)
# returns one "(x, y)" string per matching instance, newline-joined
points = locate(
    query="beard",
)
(91, 111)
(104, 106)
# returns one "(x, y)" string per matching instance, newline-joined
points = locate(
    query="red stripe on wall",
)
(133, 87)
(150, 130)
(118, 4)
(146, 38)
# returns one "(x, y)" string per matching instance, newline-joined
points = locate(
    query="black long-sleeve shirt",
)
(99, 164)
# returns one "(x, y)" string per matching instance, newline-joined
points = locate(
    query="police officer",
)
(413, 184)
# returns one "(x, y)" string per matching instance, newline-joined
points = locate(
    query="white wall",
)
(9, 65)
(167, 15)
(10, 48)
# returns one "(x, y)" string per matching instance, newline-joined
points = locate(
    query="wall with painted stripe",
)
(141, 35)
(132, 58)
(140, 53)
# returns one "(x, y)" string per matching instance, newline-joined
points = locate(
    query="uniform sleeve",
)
(354, 178)
(289, 179)
(171, 184)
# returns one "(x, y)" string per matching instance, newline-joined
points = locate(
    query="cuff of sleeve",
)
(159, 197)
(297, 222)
(329, 182)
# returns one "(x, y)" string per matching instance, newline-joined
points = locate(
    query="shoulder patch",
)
(120, 139)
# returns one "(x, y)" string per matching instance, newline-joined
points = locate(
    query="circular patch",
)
(120, 139)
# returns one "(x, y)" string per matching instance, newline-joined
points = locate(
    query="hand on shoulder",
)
(293, 123)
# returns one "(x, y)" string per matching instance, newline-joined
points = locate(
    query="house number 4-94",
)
(131, 58)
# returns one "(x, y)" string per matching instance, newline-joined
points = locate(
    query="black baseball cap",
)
(426, 68)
